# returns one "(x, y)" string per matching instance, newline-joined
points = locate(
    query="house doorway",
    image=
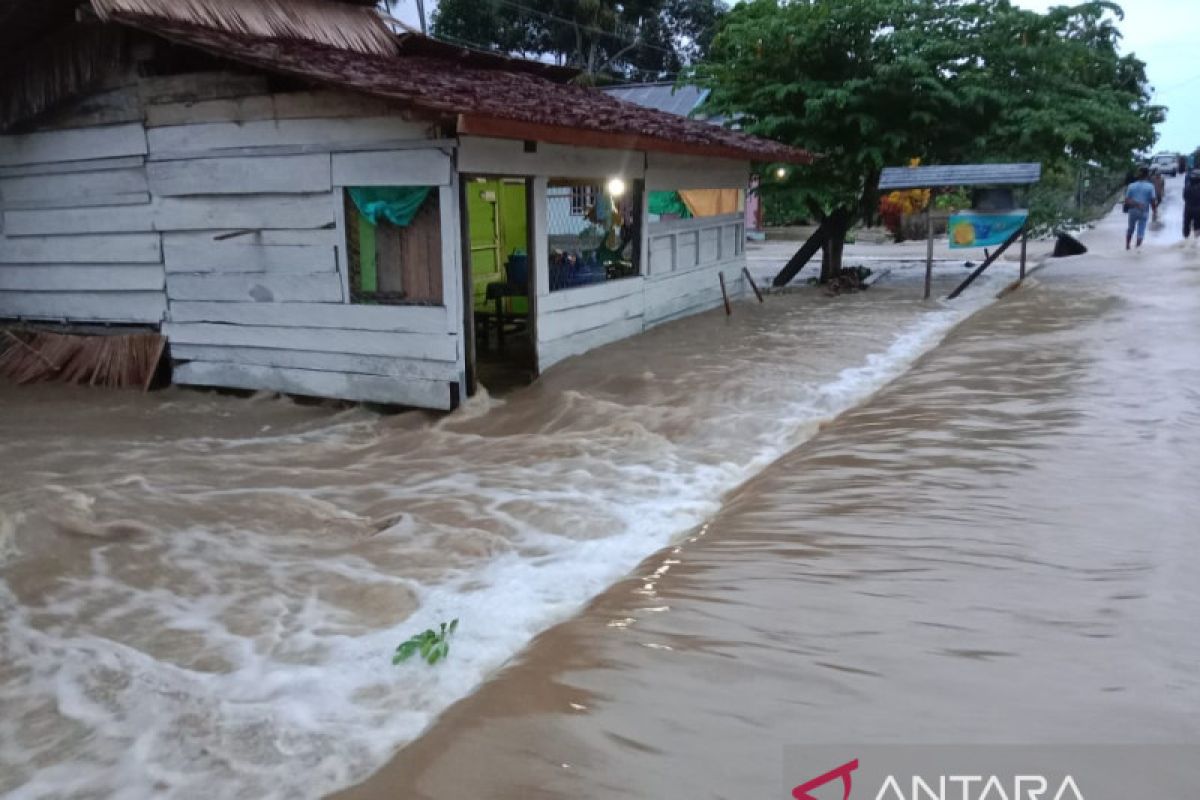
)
(499, 281)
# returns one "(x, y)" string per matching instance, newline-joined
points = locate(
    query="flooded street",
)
(1001, 546)
(200, 594)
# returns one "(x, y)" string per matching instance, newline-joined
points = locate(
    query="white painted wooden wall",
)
(271, 309)
(123, 222)
(679, 278)
(77, 240)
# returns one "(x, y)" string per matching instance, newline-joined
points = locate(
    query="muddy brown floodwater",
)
(200, 594)
(1000, 546)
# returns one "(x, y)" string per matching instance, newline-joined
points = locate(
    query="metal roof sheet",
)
(681, 100)
(959, 175)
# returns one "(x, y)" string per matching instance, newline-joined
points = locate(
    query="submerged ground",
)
(999, 547)
(200, 593)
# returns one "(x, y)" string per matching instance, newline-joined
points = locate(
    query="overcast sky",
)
(1163, 33)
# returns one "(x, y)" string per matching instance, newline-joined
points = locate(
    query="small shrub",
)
(432, 645)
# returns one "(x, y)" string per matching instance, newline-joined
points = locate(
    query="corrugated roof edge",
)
(1020, 174)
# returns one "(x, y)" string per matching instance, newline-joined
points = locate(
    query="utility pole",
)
(421, 16)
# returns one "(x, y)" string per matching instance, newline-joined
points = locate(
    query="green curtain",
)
(668, 203)
(395, 204)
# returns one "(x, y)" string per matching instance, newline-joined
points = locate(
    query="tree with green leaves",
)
(874, 83)
(605, 39)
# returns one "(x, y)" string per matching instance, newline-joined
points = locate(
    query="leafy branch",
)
(433, 646)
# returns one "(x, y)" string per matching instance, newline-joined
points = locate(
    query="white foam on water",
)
(255, 661)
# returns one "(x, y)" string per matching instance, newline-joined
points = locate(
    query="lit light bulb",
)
(616, 187)
(781, 173)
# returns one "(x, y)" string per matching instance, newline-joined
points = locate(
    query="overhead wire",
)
(613, 34)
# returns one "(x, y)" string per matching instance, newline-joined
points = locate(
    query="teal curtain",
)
(395, 204)
(667, 203)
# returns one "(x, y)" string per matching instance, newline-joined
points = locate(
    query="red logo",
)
(801, 792)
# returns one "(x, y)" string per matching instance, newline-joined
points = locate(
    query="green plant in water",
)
(433, 646)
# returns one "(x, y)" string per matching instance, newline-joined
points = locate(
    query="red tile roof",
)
(483, 101)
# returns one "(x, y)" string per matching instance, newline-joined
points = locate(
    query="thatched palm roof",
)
(51, 50)
(345, 25)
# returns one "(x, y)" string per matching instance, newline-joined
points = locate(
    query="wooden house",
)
(304, 201)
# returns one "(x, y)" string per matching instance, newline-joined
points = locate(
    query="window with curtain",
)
(394, 245)
(690, 203)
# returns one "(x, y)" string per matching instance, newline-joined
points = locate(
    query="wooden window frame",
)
(432, 208)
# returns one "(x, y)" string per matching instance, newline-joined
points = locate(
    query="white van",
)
(1166, 164)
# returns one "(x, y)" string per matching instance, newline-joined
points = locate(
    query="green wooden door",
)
(514, 230)
(499, 228)
(484, 220)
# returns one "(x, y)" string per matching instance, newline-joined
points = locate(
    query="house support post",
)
(1024, 250)
(987, 263)
(929, 247)
(753, 285)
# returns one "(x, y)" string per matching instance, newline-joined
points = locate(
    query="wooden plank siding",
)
(41, 189)
(81, 277)
(211, 137)
(394, 168)
(397, 319)
(75, 221)
(407, 390)
(248, 107)
(82, 144)
(221, 176)
(85, 306)
(681, 278)
(209, 204)
(230, 256)
(420, 346)
(255, 288)
(321, 362)
(77, 241)
(266, 308)
(141, 248)
(72, 167)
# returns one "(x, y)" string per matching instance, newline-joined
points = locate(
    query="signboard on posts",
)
(982, 229)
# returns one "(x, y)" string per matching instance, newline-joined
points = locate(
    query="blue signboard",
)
(980, 229)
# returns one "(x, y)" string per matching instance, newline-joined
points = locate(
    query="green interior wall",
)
(498, 227)
(368, 274)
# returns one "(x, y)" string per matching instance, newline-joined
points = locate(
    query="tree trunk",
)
(831, 262)
(869, 210)
(815, 242)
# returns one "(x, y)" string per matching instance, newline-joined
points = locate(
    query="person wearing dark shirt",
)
(1191, 205)
(1160, 191)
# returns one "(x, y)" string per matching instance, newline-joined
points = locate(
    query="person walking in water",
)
(1139, 199)
(1191, 206)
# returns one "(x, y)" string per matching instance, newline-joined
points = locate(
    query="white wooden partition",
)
(77, 240)
(216, 208)
(270, 309)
